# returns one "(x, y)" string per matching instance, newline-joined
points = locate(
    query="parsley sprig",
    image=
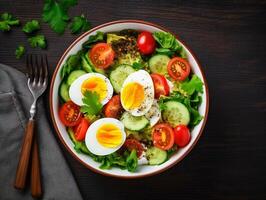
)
(92, 104)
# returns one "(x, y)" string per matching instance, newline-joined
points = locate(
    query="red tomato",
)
(134, 144)
(163, 136)
(161, 86)
(113, 108)
(70, 114)
(81, 129)
(178, 68)
(146, 43)
(182, 135)
(102, 55)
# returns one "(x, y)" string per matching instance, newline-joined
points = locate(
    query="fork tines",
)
(37, 66)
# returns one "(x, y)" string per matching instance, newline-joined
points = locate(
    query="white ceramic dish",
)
(61, 130)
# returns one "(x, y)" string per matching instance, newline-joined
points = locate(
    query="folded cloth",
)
(15, 101)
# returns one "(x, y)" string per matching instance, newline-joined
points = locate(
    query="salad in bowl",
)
(129, 99)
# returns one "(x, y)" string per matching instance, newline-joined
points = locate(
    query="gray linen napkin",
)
(15, 101)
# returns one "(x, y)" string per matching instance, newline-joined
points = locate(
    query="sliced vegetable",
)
(81, 129)
(178, 68)
(102, 55)
(64, 91)
(111, 37)
(182, 135)
(161, 86)
(163, 136)
(113, 108)
(134, 123)
(156, 156)
(131, 144)
(175, 113)
(74, 75)
(78, 146)
(146, 43)
(70, 114)
(119, 75)
(158, 64)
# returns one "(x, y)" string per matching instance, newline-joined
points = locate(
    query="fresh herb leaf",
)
(171, 151)
(137, 65)
(168, 41)
(31, 26)
(55, 13)
(92, 104)
(20, 51)
(79, 24)
(132, 161)
(167, 52)
(192, 85)
(72, 63)
(6, 21)
(99, 36)
(37, 41)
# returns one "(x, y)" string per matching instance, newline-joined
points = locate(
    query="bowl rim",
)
(52, 88)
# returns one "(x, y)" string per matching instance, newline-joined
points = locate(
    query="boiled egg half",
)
(93, 82)
(137, 93)
(105, 136)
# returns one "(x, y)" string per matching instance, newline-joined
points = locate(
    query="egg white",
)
(154, 114)
(91, 140)
(76, 95)
(143, 78)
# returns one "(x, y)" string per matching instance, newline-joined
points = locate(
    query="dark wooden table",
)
(229, 38)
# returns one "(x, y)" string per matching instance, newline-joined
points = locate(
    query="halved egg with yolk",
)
(105, 136)
(93, 82)
(137, 93)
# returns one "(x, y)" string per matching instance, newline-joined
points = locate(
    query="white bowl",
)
(86, 160)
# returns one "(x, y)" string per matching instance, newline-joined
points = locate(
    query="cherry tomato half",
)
(182, 135)
(81, 129)
(113, 108)
(70, 114)
(178, 68)
(102, 55)
(146, 43)
(163, 136)
(134, 144)
(161, 86)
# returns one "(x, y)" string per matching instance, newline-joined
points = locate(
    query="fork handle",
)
(36, 187)
(24, 157)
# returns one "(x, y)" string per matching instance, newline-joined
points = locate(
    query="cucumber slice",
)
(63, 91)
(86, 65)
(158, 64)
(80, 146)
(175, 113)
(118, 76)
(74, 75)
(134, 123)
(156, 156)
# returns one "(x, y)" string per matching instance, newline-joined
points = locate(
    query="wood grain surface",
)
(229, 39)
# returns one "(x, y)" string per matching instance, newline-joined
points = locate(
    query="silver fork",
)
(37, 84)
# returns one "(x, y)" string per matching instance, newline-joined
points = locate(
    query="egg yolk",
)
(132, 95)
(109, 135)
(95, 84)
